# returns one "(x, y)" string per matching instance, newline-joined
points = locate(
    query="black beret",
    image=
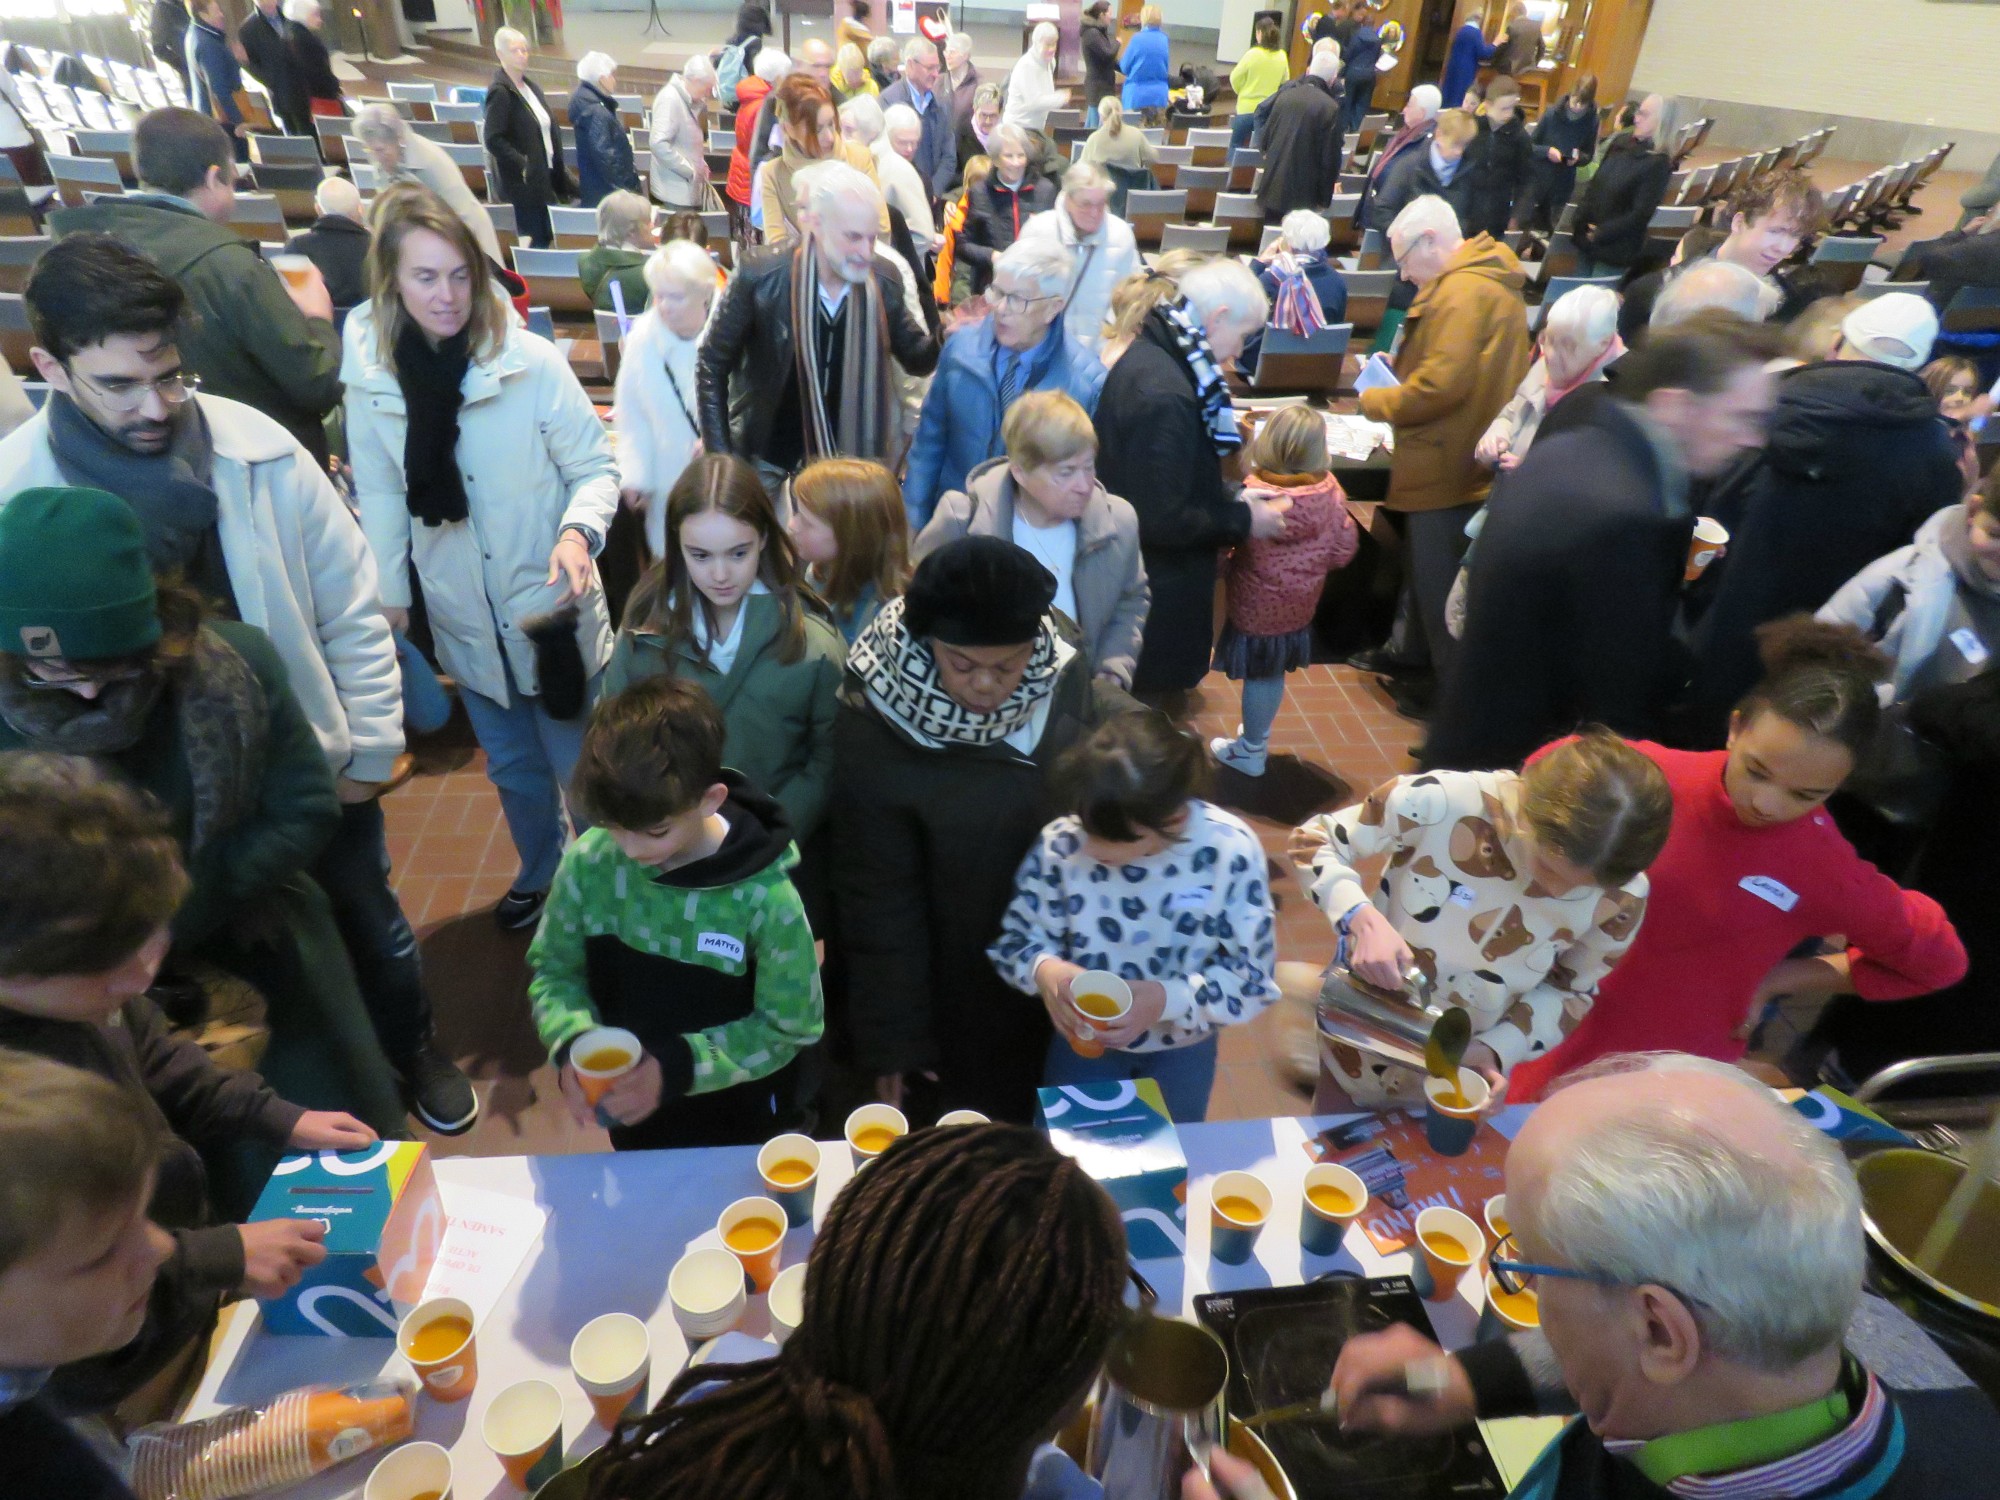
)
(978, 591)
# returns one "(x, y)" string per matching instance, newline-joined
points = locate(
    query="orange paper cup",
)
(1109, 994)
(412, 1472)
(1449, 1244)
(611, 1358)
(523, 1427)
(448, 1366)
(1495, 1215)
(1512, 1312)
(602, 1057)
(1710, 541)
(753, 1230)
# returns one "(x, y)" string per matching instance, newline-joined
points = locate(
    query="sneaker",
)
(1238, 755)
(519, 910)
(437, 1092)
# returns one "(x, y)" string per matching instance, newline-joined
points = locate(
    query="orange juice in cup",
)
(1102, 999)
(753, 1230)
(296, 269)
(789, 1167)
(874, 1128)
(1508, 1312)
(436, 1338)
(1448, 1245)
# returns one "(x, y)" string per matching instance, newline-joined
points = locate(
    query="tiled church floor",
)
(1336, 737)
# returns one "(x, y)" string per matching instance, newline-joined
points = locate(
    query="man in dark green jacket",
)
(255, 338)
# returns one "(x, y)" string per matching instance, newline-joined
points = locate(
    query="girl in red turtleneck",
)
(1754, 867)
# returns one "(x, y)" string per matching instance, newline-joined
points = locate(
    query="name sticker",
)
(1970, 646)
(1195, 899)
(1462, 895)
(1765, 888)
(720, 944)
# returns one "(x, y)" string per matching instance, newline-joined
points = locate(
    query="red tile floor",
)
(1336, 737)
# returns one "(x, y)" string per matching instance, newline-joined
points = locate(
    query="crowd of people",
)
(936, 489)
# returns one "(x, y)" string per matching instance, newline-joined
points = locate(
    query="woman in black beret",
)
(957, 700)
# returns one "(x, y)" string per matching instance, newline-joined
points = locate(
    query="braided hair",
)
(961, 1294)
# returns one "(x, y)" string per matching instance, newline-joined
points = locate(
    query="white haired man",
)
(936, 157)
(1302, 139)
(679, 132)
(794, 366)
(396, 151)
(1106, 253)
(895, 151)
(604, 162)
(337, 242)
(1031, 87)
(1696, 1250)
(1464, 349)
(986, 368)
(520, 135)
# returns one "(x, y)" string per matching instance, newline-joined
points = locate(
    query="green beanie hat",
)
(75, 580)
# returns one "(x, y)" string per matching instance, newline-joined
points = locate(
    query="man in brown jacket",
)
(1465, 348)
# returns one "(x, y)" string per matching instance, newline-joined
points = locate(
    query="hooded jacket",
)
(1465, 349)
(1857, 458)
(710, 964)
(1103, 260)
(247, 339)
(1903, 601)
(1275, 582)
(1112, 596)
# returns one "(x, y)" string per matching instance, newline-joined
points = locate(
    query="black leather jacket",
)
(747, 356)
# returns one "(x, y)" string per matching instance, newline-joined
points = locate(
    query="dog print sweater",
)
(1196, 917)
(1526, 964)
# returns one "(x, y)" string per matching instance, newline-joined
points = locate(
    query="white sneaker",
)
(1238, 756)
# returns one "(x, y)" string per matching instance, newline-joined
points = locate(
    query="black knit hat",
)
(978, 591)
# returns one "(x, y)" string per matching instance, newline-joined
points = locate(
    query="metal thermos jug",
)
(1158, 1408)
(1396, 1026)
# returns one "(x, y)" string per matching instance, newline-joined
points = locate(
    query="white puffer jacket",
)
(535, 459)
(1103, 260)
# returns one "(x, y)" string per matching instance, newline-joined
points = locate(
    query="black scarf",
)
(433, 382)
(173, 493)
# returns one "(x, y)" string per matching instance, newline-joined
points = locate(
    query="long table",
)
(618, 1221)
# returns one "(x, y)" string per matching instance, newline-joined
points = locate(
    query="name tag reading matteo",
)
(721, 945)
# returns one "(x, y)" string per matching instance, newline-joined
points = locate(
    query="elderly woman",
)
(1147, 64)
(1579, 338)
(624, 240)
(959, 697)
(884, 60)
(1165, 421)
(1102, 243)
(310, 59)
(481, 471)
(806, 116)
(603, 149)
(1300, 250)
(399, 154)
(1631, 179)
(678, 130)
(850, 77)
(999, 207)
(751, 95)
(984, 369)
(520, 136)
(1031, 87)
(653, 415)
(960, 78)
(896, 164)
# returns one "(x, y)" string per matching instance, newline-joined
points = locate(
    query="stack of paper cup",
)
(788, 1302)
(707, 1292)
(612, 1357)
(247, 1450)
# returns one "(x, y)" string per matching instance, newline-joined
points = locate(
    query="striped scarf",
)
(1190, 343)
(866, 426)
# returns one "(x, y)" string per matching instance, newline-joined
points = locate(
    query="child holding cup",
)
(675, 918)
(1149, 893)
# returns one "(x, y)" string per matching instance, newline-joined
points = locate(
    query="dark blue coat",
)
(937, 148)
(1470, 51)
(603, 148)
(1358, 56)
(213, 76)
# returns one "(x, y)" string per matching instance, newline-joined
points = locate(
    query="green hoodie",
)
(711, 964)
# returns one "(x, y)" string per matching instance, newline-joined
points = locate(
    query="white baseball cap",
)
(1896, 328)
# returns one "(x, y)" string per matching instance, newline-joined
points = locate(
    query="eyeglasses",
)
(1012, 301)
(1518, 1276)
(43, 676)
(173, 390)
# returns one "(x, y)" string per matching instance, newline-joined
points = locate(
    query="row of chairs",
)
(1714, 183)
(1880, 198)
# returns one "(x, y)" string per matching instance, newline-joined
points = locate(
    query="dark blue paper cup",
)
(1334, 1197)
(1450, 1127)
(1233, 1236)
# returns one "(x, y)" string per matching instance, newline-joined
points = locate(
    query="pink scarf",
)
(1592, 371)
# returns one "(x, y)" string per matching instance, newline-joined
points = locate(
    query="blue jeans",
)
(1262, 697)
(1090, 121)
(1354, 107)
(1241, 128)
(1185, 1074)
(353, 870)
(529, 758)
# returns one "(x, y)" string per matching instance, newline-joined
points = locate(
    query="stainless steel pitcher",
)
(1394, 1025)
(1158, 1408)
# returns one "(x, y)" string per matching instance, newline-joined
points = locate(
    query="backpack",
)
(729, 71)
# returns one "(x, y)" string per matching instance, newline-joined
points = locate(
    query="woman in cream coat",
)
(654, 413)
(503, 527)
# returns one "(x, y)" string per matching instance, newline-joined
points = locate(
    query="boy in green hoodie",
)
(675, 918)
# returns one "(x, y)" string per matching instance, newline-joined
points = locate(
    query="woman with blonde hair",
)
(1126, 148)
(1147, 64)
(1031, 87)
(481, 468)
(1512, 892)
(850, 76)
(806, 116)
(853, 534)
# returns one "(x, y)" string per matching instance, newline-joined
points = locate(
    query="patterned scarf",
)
(222, 723)
(901, 676)
(1178, 322)
(866, 426)
(1296, 308)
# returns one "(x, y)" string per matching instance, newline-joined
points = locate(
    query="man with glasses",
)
(1023, 346)
(937, 149)
(241, 511)
(258, 338)
(1696, 1251)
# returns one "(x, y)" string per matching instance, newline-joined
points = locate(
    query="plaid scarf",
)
(1191, 344)
(901, 676)
(1296, 308)
(866, 426)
